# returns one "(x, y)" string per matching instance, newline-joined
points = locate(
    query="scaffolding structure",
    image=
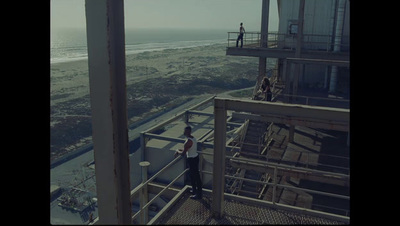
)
(236, 142)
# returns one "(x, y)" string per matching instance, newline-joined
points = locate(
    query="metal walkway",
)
(188, 211)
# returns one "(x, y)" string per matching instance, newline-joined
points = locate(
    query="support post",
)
(107, 79)
(299, 46)
(264, 23)
(275, 184)
(142, 146)
(262, 62)
(144, 195)
(348, 138)
(262, 67)
(219, 158)
(291, 133)
(187, 115)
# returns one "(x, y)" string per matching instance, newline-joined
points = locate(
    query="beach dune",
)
(155, 80)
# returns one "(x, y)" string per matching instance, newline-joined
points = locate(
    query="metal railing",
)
(315, 101)
(140, 187)
(275, 185)
(267, 163)
(236, 142)
(249, 38)
(288, 41)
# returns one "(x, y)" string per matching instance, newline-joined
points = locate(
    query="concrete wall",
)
(317, 16)
(346, 28)
(319, 19)
(159, 158)
(135, 169)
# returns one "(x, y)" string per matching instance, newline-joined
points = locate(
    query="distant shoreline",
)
(134, 52)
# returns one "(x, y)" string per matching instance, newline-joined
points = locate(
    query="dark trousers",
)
(241, 40)
(269, 96)
(195, 175)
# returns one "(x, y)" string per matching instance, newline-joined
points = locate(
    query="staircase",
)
(254, 139)
(254, 142)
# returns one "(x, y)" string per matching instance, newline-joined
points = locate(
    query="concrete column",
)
(299, 41)
(218, 185)
(144, 195)
(262, 63)
(107, 79)
(264, 23)
(262, 67)
(337, 42)
(299, 45)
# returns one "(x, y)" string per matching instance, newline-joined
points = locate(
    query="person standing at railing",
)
(266, 86)
(265, 89)
(190, 149)
(241, 32)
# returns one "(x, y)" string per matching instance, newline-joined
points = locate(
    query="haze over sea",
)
(69, 44)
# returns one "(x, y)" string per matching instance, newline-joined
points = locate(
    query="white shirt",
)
(241, 30)
(192, 152)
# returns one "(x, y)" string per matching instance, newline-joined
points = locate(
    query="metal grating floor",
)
(188, 211)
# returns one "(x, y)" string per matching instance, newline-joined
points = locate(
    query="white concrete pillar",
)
(107, 79)
(218, 185)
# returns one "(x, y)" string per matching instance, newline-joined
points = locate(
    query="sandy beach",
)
(155, 80)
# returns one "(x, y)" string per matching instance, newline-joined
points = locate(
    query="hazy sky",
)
(215, 14)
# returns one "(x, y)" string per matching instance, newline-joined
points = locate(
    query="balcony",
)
(280, 45)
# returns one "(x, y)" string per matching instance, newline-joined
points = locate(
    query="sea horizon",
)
(69, 44)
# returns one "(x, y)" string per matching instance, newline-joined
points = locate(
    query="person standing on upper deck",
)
(241, 32)
(190, 149)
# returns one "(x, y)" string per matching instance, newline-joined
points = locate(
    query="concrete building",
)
(313, 35)
(262, 162)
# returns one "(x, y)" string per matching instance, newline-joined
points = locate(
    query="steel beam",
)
(286, 53)
(291, 171)
(107, 79)
(339, 63)
(292, 114)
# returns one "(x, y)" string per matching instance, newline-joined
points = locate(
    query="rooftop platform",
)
(282, 184)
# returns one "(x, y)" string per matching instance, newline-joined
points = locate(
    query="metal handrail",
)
(158, 195)
(289, 167)
(288, 187)
(249, 38)
(284, 40)
(139, 187)
(275, 185)
(307, 98)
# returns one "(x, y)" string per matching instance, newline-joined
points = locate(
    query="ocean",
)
(69, 44)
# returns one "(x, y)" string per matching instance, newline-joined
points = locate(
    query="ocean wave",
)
(59, 55)
(150, 47)
(70, 44)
